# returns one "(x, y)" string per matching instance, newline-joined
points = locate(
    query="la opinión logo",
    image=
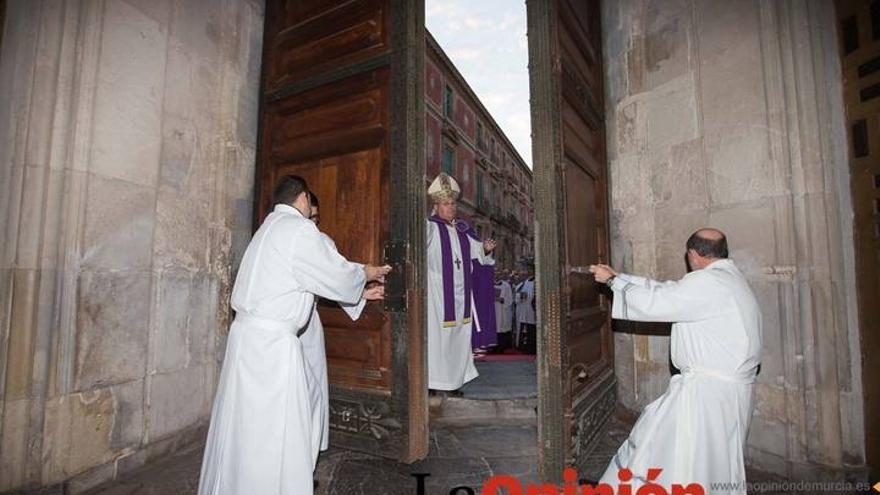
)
(503, 484)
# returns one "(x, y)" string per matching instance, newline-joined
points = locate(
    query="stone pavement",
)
(459, 456)
(472, 438)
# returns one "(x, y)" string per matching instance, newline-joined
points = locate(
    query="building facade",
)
(463, 140)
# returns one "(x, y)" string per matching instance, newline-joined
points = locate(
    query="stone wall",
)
(127, 135)
(729, 114)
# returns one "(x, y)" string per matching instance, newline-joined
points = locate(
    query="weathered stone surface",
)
(119, 223)
(112, 328)
(79, 430)
(168, 412)
(20, 347)
(128, 417)
(13, 443)
(128, 104)
(181, 238)
(202, 320)
(676, 103)
(751, 232)
(666, 44)
(773, 350)
(128, 131)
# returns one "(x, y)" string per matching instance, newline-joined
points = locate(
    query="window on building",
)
(480, 195)
(492, 149)
(448, 160)
(479, 134)
(448, 101)
(490, 200)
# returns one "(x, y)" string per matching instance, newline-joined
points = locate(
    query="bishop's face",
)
(447, 209)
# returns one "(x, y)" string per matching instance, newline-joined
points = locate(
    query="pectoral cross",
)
(457, 263)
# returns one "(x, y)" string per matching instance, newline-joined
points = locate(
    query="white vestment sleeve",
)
(354, 310)
(642, 299)
(479, 254)
(323, 271)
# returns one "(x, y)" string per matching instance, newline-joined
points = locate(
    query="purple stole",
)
(461, 229)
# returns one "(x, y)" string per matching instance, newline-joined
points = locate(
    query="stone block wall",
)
(729, 114)
(127, 137)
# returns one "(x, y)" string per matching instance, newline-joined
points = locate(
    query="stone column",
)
(729, 114)
(127, 135)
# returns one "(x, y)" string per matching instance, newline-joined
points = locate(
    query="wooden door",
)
(342, 106)
(575, 356)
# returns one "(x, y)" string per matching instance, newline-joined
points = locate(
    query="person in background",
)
(525, 309)
(503, 311)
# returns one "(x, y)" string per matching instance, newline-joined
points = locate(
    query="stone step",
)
(462, 410)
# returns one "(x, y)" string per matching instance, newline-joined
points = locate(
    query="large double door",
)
(575, 353)
(342, 105)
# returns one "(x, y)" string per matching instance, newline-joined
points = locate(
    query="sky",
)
(486, 40)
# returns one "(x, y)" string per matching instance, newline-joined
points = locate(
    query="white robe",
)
(504, 310)
(696, 431)
(265, 430)
(525, 296)
(316, 356)
(450, 358)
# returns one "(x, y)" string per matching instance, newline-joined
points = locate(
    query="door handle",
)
(580, 270)
(582, 374)
(396, 254)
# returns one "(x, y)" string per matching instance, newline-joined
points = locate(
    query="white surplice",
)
(265, 431)
(696, 431)
(504, 308)
(316, 356)
(525, 299)
(450, 358)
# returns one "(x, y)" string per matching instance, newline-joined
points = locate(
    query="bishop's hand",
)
(376, 273)
(489, 245)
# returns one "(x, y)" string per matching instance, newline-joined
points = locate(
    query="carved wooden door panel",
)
(575, 356)
(341, 105)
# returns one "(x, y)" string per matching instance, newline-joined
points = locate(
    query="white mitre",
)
(444, 187)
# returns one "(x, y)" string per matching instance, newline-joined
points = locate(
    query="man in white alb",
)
(503, 312)
(266, 430)
(696, 431)
(526, 332)
(312, 338)
(452, 250)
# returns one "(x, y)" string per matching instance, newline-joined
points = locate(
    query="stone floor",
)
(489, 431)
(459, 456)
(503, 380)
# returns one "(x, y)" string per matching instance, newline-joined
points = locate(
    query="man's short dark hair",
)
(708, 247)
(313, 200)
(288, 189)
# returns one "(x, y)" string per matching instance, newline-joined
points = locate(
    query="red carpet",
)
(507, 356)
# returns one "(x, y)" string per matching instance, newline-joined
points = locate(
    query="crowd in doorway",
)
(515, 312)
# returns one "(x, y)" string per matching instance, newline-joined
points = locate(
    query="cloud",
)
(471, 22)
(465, 54)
